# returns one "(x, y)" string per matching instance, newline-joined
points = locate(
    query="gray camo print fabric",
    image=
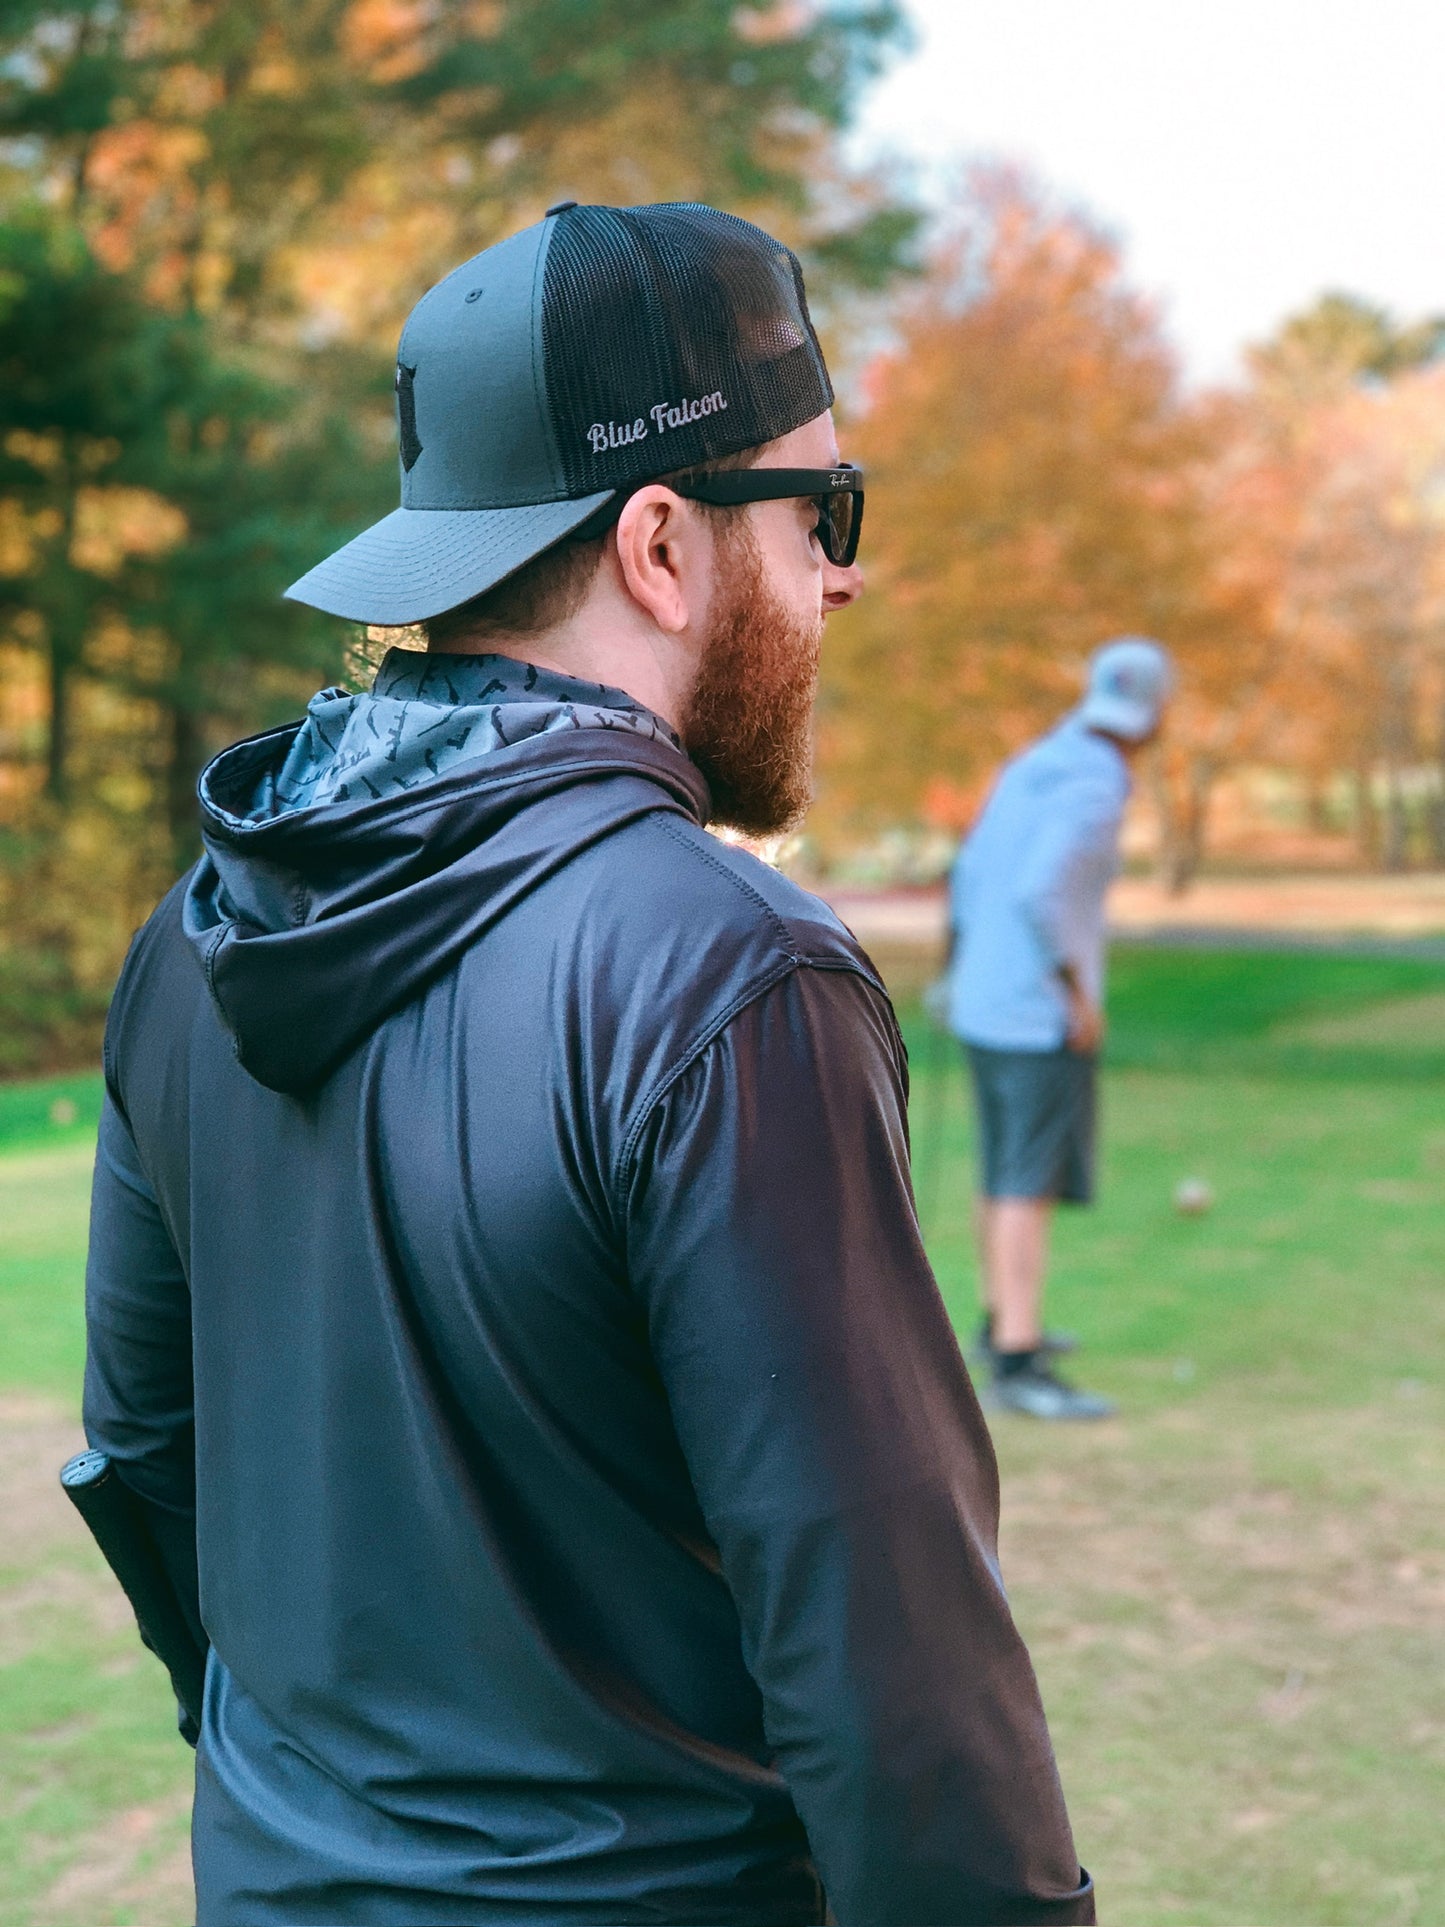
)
(425, 714)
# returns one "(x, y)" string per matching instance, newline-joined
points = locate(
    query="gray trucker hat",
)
(567, 364)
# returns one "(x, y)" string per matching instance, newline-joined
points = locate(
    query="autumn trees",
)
(1345, 433)
(1036, 486)
(1039, 481)
(213, 216)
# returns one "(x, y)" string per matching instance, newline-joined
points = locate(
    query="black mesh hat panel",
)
(671, 335)
(596, 348)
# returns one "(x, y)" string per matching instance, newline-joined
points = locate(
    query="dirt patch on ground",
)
(50, 1561)
(1165, 1567)
(1404, 1023)
(1190, 1529)
(134, 1860)
(28, 1607)
(1238, 1620)
(37, 1436)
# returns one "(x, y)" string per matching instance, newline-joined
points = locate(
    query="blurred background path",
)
(1323, 910)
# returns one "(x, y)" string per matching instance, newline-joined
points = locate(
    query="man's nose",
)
(840, 586)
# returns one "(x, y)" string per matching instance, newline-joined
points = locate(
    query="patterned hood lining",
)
(353, 856)
(424, 715)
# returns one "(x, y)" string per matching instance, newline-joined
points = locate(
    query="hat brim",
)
(418, 563)
(1118, 716)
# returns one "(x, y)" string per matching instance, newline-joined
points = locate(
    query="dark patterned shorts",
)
(1036, 1112)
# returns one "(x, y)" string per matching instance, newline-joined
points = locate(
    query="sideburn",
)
(749, 722)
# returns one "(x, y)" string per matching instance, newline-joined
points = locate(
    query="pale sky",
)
(1249, 154)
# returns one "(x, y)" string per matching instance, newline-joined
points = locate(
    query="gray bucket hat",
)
(600, 348)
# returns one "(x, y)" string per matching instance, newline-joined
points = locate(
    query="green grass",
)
(44, 1198)
(50, 1111)
(1254, 1010)
(1233, 1593)
(93, 1796)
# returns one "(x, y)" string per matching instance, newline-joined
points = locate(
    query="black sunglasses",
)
(838, 492)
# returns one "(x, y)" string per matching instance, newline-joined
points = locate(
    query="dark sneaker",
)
(1041, 1393)
(1052, 1344)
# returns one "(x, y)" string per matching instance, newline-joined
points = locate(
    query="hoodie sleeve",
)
(844, 1468)
(138, 1404)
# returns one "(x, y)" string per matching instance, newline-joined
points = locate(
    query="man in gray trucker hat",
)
(503, 1248)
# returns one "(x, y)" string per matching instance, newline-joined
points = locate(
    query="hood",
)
(351, 857)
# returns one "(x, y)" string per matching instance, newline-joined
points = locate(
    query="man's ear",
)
(665, 557)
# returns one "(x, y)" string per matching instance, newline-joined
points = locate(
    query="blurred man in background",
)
(1025, 995)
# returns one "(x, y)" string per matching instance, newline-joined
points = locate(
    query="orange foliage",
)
(385, 36)
(197, 181)
(113, 523)
(1349, 476)
(1036, 485)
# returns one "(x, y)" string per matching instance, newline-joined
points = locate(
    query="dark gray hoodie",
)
(503, 1247)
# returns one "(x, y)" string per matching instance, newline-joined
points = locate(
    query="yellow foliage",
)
(16, 547)
(113, 523)
(386, 37)
(44, 453)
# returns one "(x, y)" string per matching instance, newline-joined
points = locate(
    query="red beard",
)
(749, 722)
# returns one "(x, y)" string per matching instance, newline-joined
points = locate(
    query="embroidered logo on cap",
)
(665, 415)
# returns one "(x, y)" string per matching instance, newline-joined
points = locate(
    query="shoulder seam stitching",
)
(759, 987)
(655, 1094)
(814, 960)
(705, 855)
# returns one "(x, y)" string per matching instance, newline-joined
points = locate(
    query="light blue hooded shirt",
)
(1028, 890)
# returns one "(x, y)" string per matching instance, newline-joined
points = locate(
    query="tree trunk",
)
(1395, 834)
(1435, 828)
(1316, 801)
(1183, 821)
(1367, 817)
(67, 620)
(1166, 860)
(1198, 796)
(58, 739)
(1398, 748)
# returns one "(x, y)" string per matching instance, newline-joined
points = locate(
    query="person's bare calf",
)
(1014, 1241)
(1013, 1235)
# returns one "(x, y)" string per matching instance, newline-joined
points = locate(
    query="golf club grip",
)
(117, 1522)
